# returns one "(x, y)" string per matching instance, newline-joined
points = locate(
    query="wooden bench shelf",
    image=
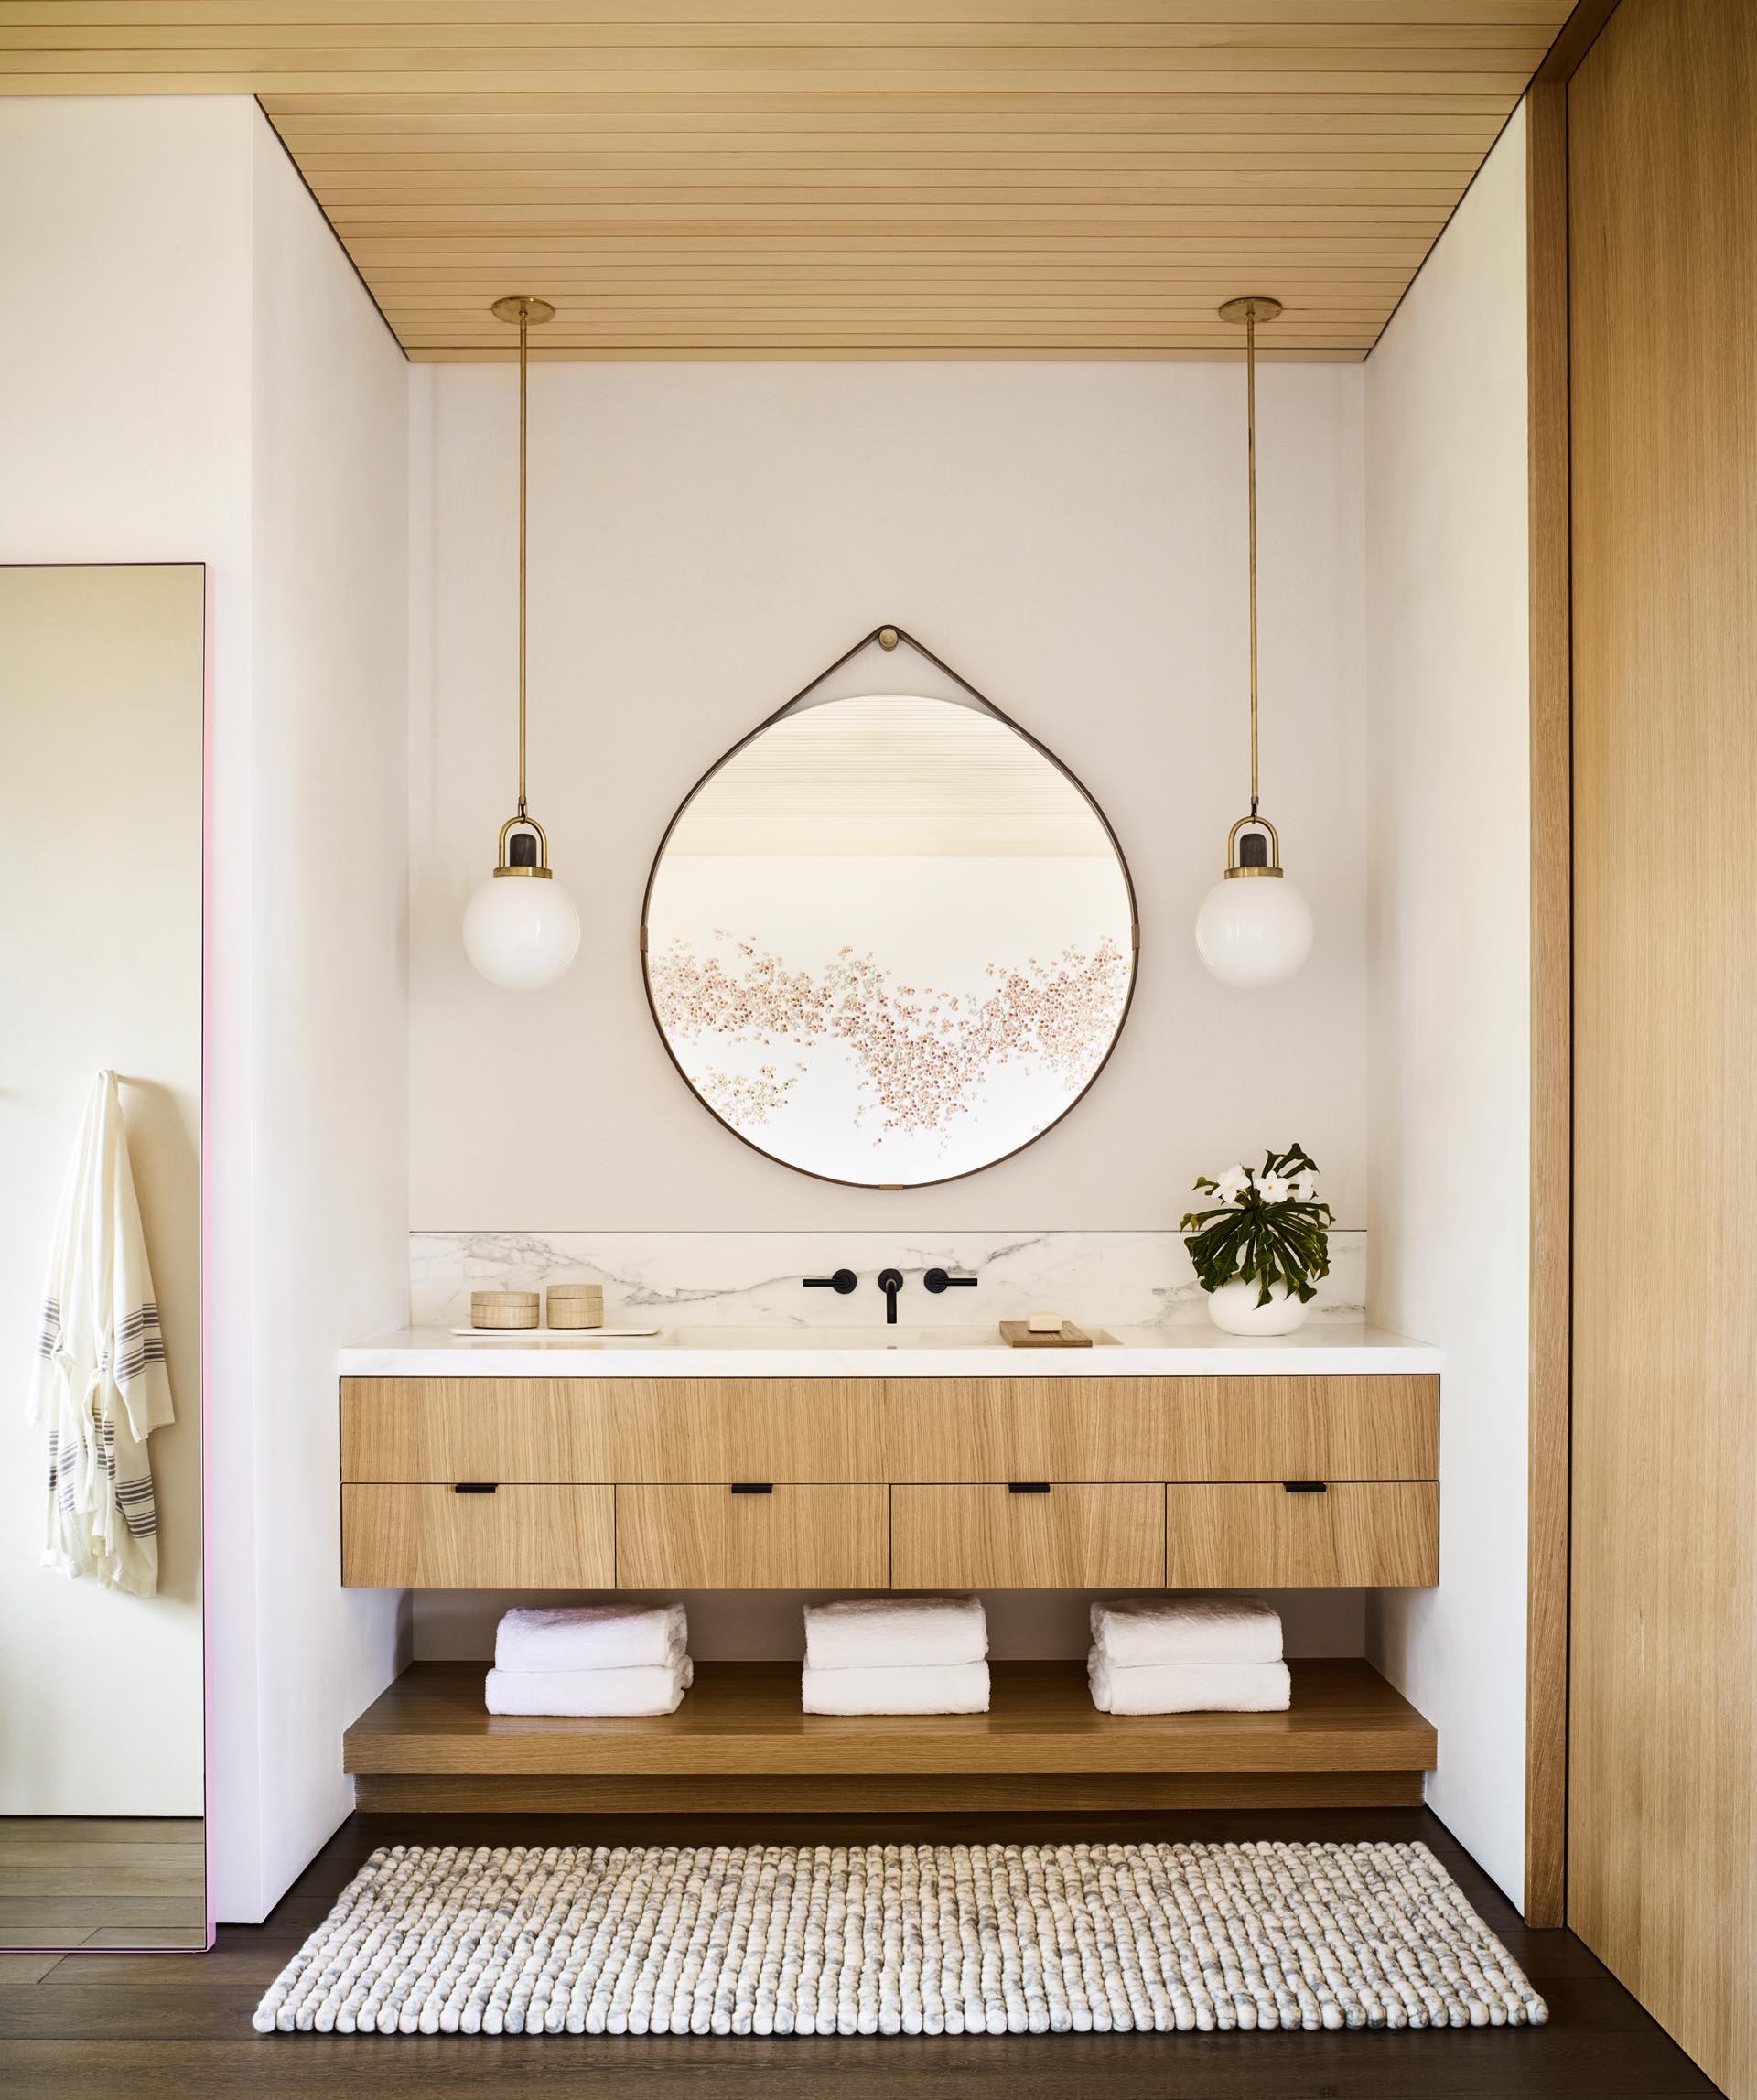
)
(739, 1743)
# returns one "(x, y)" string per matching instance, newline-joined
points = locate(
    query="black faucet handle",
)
(938, 1280)
(841, 1283)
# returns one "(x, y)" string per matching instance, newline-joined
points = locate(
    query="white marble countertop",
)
(1330, 1349)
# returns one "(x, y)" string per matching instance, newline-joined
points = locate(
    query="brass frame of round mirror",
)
(887, 638)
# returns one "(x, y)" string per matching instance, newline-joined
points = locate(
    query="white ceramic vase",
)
(1233, 1308)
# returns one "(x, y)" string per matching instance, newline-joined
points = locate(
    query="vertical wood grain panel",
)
(1551, 1005)
(1662, 200)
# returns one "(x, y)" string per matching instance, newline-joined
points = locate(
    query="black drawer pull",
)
(1028, 1487)
(1306, 1487)
(753, 1488)
(475, 1487)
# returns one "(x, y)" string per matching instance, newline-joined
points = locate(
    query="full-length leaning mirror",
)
(102, 1731)
(889, 939)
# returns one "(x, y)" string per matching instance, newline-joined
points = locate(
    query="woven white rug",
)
(930, 1939)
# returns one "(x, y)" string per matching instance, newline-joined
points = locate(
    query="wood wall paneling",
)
(1662, 1879)
(1551, 1006)
(819, 178)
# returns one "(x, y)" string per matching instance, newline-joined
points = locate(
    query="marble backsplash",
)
(753, 1279)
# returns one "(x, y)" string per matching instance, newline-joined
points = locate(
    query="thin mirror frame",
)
(205, 1312)
(869, 640)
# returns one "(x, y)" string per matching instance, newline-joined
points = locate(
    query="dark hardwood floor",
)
(103, 1881)
(177, 2026)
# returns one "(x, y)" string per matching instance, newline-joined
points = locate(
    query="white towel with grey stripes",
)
(100, 1386)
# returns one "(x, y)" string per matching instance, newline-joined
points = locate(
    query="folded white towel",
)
(1189, 1626)
(918, 1688)
(591, 1637)
(895, 1633)
(642, 1688)
(1188, 1687)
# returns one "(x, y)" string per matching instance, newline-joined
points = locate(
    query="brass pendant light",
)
(1253, 933)
(520, 929)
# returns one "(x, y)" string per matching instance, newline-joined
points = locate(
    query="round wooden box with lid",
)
(503, 1308)
(576, 1305)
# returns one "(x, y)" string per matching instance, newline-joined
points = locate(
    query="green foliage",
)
(1256, 1240)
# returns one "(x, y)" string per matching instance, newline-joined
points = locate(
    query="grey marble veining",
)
(1133, 1279)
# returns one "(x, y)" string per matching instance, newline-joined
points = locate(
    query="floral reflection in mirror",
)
(889, 940)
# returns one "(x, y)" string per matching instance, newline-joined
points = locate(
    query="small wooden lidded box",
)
(503, 1308)
(576, 1305)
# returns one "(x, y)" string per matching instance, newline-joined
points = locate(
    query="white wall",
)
(197, 374)
(1447, 629)
(704, 540)
(330, 1123)
(100, 689)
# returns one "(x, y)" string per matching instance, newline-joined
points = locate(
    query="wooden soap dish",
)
(1017, 1334)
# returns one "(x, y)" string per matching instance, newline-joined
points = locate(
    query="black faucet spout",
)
(890, 1281)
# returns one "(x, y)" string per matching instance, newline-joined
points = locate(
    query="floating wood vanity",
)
(1032, 1480)
(1189, 1463)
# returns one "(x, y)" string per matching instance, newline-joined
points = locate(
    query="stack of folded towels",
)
(896, 1655)
(1195, 1653)
(591, 1659)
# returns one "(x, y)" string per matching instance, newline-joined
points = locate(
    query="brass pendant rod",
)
(524, 330)
(1256, 308)
(1250, 441)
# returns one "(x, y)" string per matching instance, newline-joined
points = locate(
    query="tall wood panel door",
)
(1663, 1779)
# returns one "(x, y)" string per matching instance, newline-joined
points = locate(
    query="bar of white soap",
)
(1045, 1323)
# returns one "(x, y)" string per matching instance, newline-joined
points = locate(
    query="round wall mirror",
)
(889, 939)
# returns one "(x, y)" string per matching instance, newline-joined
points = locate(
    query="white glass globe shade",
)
(521, 931)
(1254, 929)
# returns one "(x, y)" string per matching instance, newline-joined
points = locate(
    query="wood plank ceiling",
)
(830, 178)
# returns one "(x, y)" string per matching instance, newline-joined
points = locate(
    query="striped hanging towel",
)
(99, 1386)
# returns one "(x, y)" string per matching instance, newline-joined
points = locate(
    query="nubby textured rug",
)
(899, 1939)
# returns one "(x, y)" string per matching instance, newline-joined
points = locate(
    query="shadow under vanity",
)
(1180, 1460)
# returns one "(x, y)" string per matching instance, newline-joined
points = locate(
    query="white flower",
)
(1305, 1190)
(1230, 1185)
(1275, 1188)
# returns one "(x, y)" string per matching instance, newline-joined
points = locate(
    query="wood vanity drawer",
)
(1126, 1430)
(1300, 1429)
(717, 1538)
(699, 1430)
(446, 1430)
(987, 1429)
(1351, 1534)
(993, 1538)
(432, 1537)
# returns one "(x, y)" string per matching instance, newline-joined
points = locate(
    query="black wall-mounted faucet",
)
(890, 1281)
(938, 1280)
